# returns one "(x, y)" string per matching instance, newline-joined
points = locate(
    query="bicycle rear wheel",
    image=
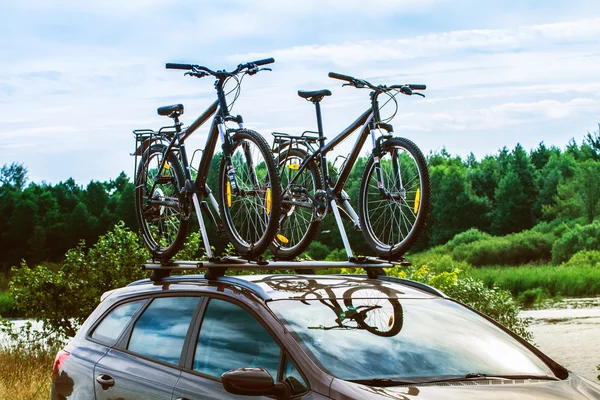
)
(159, 207)
(250, 212)
(391, 222)
(380, 314)
(298, 224)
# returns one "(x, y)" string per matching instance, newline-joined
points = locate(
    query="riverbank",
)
(570, 334)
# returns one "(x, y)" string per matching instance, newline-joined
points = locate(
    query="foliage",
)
(531, 297)
(573, 281)
(318, 251)
(585, 258)
(41, 222)
(581, 237)
(469, 236)
(7, 305)
(514, 249)
(63, 299)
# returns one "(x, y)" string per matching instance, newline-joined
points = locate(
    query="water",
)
(569, 333)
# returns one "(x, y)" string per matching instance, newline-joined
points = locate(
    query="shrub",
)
(63, 299)
(7, 305)
(515, 249)
(470, 236)
(531, 297)
(438, 262)
(581, 237)
(318, 251)
(585, 258)
(337, 255)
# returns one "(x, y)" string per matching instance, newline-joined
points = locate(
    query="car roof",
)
(300, 287)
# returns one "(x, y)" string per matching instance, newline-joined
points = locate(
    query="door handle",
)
(181, 398)
(105, 381)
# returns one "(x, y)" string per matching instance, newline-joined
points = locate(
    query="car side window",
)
(160, 331)
(231, 338)
(293, 378)
(111, 327)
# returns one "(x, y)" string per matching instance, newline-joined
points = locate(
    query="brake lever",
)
(265, 69)
(200, 74)
(418, 94)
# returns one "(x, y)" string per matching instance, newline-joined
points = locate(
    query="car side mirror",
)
(253, 382)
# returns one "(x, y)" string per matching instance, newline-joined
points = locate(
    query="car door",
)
(229, 337)
(145, 364)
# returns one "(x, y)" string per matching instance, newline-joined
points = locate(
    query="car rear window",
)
(111, 327)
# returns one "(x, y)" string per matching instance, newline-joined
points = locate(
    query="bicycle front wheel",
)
(393, 207)
(249, 194)
(159, 202)
(299, 224)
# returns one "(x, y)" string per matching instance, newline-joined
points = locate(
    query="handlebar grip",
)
(415, 86)
(264, 62)
(179, 66)
(335, 75)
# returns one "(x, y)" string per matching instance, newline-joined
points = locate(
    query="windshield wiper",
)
(383, 382)
(478, 376)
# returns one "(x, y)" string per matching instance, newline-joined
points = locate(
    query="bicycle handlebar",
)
(179, 66)
(341, 77)
(360, 83)
(219, 74)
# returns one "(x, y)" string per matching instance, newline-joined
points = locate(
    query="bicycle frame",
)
(219, 109)
(367, 121)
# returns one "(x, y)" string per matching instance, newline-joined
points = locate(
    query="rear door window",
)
(111, 327)
(160, 331)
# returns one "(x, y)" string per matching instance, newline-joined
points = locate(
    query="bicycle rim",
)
(159, 210)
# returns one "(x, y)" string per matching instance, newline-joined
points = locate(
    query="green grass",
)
(571, 281)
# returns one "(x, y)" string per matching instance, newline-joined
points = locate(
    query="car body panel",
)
(134, 377)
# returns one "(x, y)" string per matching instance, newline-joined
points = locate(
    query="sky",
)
(76, 77)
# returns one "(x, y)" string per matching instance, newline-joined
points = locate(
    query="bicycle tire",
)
(253, 235)
(394, 322)
(155, 221)
(409, 209)
(293, 239)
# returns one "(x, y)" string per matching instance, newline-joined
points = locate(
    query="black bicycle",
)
(249, 187)
(394, 194)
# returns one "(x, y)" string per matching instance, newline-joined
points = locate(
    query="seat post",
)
(319, 123)
(323, 159)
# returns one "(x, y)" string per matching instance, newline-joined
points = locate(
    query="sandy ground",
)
(571, 336)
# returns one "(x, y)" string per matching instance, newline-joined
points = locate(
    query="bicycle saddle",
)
(168, 110)
(314, 95)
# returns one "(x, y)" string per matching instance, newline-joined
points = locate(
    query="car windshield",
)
(414, 339)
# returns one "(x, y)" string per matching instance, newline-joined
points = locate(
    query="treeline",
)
(503, 193)
(40, 222)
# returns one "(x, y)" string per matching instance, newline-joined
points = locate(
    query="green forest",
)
(514, 207)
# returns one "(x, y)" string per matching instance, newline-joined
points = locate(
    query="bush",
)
(438, 262)
(7, 305)
(581, 237)
(63, 299)
(585, 258)
(531, 297)
(470, 236)
(318, 251)
(515, 249)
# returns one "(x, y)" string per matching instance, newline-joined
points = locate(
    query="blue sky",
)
(77, 77)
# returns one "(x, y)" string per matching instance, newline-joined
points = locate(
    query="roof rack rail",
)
(216, 267)
(232, 280)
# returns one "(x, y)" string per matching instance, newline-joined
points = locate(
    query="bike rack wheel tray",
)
(216, 267)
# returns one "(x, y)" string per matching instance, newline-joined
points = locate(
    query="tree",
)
(515, 195)
(14, 175)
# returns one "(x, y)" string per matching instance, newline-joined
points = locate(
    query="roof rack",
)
(216, 267)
